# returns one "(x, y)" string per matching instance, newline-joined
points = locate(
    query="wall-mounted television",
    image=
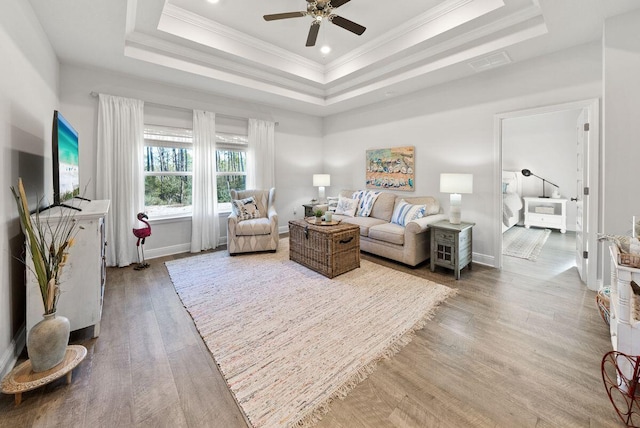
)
(65, 160)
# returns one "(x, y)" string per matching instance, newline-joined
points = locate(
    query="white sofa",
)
(408, 244)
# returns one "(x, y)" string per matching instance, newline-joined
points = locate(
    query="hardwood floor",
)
(520, 347)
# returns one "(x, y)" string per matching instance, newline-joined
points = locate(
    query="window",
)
(168, 169)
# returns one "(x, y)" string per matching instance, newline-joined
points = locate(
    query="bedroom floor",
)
(557, 256)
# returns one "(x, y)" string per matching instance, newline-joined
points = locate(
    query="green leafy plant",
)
(318, 213)
(47, 245)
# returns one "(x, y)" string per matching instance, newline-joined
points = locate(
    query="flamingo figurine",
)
(142, 234)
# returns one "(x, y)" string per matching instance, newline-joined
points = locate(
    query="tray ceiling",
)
(228, 49)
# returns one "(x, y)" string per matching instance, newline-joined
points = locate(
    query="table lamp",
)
(528, 173)
(456, 184)
(320, 181)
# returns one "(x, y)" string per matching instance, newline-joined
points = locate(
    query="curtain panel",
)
(205, 230)
(261, 155)
(120, 175)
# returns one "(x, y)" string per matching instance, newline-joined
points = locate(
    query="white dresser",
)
(83, 277)
(624, 324)
(550, 213)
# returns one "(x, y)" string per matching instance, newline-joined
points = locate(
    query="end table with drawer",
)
(451, 245)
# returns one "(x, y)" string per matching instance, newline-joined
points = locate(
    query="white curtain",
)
(120, 175)
(261, 155)
(204, 224)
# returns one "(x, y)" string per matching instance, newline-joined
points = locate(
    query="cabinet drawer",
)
(445, 236)
(545, 218)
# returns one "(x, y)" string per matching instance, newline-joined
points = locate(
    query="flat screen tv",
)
(65, 160)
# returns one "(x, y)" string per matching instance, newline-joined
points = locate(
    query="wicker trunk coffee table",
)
(327, 249)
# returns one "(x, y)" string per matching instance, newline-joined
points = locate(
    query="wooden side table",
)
(308, 209)
(22, 378)
(451, 245)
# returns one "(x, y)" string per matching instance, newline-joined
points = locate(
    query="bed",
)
(511, 199)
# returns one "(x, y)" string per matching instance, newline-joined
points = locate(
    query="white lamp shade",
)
(321, 180)
(456, 183)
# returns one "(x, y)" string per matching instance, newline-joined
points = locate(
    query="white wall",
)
(622, 114)
(546, 145)
(297, 139)
(451, 126)
(28, 97)
(621, 141)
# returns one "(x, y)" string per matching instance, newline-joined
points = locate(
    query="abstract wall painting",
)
(392, 168)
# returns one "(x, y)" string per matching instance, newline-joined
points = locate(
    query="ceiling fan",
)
(320, 10)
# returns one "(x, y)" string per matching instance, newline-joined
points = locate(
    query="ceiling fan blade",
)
(347, 25)
(286, 15)
(313, 34)
(337, 3)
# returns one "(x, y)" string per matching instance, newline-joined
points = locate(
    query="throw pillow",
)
(347, 206)
(405, 212)
(367, 200)
(357, 195)
(332, 203)
(246, 208)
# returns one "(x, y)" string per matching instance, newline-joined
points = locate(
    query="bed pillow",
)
(347, 206)
(405, 212)
(245, 209)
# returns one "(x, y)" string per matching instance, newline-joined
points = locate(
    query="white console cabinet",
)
(545, 212)
(84, 275)
(624, 324)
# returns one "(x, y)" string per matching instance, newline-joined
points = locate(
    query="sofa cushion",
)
(254, 226)
(246, 208)
(346, 206)
(405, 212)
(383, 208)
(432, 206)
(365, 223)
(388, 232)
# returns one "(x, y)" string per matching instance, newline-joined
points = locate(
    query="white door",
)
(582, 207)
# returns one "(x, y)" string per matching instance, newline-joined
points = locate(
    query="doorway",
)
(543, 141)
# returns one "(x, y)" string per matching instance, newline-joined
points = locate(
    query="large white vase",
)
(47, 342)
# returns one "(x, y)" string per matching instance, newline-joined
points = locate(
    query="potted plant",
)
(48, 247)
(318, 214)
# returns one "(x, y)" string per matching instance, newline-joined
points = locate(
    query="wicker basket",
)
(329, 250)
(629, 259)
(603, 301)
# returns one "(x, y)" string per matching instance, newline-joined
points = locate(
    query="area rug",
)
(524, 243)
(288, 340)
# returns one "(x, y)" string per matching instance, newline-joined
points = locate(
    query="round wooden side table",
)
(22, 378)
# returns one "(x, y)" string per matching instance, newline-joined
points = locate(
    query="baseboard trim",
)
(484, 259)
(167, 251)
(12, 353)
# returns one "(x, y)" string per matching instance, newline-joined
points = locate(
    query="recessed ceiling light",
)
(325, 49)
(213, 1)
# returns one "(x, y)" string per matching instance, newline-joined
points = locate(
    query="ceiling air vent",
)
(490, 61)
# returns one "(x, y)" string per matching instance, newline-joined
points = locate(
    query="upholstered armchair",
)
(252, 227)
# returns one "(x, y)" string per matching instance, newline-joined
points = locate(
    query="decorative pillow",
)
(405, 212)
(332, 203)
(367, 200)
(357, 195)
(347, 206)
(245, 208)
